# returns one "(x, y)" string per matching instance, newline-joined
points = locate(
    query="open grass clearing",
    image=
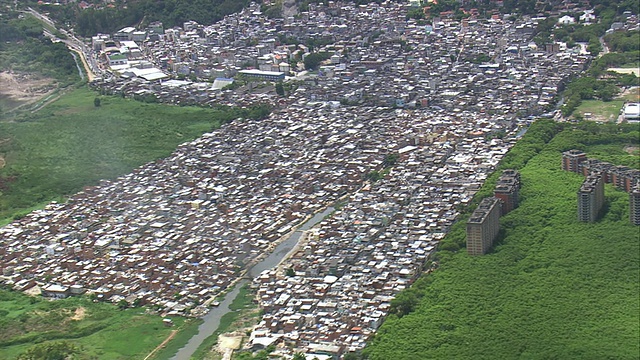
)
(630, 95)
(100, 330)
(598, 110)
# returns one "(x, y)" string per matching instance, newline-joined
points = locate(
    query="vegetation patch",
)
(552, 287)
(185, 332)
(599, 110)
(33, 325)
(243, 314)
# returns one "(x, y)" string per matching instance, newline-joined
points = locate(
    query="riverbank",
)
(215, 317)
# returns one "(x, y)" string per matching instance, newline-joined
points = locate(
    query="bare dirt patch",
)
(2, 162)
(228, 343)
(19, 89)
(632, 150)
(631, 94)
(79, 314)
(635, 71)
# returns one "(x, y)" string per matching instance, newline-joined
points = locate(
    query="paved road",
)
(72, 43)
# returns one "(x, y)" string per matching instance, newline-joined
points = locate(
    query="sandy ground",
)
(79, 314)
(227, 344)
(34, 291)
(87, 70)
(631, 149)
(635, 71)
(21, 89)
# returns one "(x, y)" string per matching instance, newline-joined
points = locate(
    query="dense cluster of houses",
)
(376, 58)
(444, 101)
(353, 263)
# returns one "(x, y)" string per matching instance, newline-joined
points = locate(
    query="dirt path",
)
(47, 102)
(173, 333)
(90, 75)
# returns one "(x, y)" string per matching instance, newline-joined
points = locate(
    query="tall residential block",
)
(507, 189)
(634, 205)
(571, 160)
(591, 198)
(483, 226)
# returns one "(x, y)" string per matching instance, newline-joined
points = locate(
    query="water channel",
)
(212, 318)
(75, 58)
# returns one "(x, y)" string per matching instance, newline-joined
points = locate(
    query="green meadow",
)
(95, 330)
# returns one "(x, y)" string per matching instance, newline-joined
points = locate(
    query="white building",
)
(631, 112)
(566, 20)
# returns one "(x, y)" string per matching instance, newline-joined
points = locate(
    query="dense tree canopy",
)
(24, 48)
(551, 288)
(623, 41)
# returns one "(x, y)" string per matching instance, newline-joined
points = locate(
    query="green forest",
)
(24, 48)
(552, 288)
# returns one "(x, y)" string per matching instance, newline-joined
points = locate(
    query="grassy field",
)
(600, 110)
(609, 110)
(71, 143)
(552, 288)
(187, 331)
(100, 331)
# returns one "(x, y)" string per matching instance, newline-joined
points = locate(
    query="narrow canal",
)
(212, 318)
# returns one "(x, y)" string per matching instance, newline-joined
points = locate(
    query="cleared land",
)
(20, 89)
(101, 331)
(600, 110)
(604, 111)
(631, 95)
(552, 287)
(632, 69)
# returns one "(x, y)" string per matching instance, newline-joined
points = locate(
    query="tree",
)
(312, 61)
(280, 89)
(59, 350)
(123, 304)
(291, 272)
(373, 176)
(353, 356)
(298, 356)
(390, 159)
(96, 102)
(404, 303)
